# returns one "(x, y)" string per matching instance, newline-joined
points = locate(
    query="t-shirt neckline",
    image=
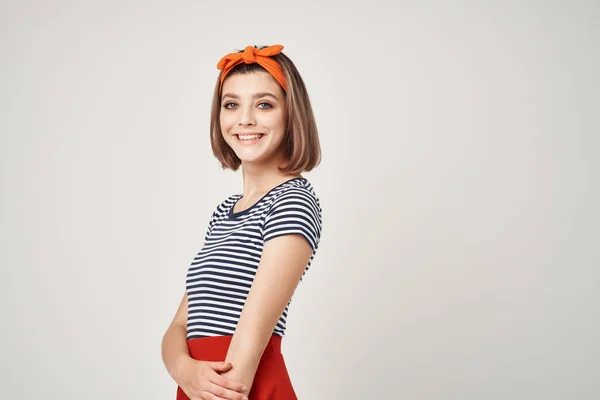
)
(232, 215)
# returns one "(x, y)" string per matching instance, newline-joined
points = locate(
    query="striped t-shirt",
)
(219, 279)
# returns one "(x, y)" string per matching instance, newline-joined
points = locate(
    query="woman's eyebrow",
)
(256, 95)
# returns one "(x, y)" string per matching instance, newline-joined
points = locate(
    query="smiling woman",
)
(285, 93)
(225, 339)
(250, 114)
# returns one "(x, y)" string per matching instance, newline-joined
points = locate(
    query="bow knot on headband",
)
(252, 55)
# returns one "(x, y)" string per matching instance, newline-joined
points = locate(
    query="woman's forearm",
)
(175, 349)
(244, 354)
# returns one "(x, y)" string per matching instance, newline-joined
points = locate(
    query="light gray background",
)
(459, 256)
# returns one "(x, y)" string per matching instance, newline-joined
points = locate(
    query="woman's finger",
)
(220, 366)
(209, 396)
(220, 391)
(227, 383)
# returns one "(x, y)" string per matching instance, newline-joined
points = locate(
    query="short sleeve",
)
(297, 211)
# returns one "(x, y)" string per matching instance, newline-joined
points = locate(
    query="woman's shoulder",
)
(295, 208)
(295, 188)
(299, 192)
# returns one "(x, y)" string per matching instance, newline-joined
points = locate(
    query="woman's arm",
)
(282, 263)
(174, 347)
(195, 377)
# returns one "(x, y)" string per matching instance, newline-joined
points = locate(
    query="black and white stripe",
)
(220, 276)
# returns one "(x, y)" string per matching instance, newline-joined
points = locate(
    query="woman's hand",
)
(201, 380)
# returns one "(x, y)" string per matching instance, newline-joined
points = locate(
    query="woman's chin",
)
(256, 158)
(248, 158)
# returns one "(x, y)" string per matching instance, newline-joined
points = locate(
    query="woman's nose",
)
(247, 116)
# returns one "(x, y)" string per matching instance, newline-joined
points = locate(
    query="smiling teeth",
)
(249, 137)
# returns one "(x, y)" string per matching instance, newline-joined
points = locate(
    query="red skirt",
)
(271, 381)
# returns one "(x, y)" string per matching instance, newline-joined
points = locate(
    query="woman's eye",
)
(264, 105)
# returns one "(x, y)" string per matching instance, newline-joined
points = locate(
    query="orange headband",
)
(253, 55)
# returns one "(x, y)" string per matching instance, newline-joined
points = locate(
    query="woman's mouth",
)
(248, 139)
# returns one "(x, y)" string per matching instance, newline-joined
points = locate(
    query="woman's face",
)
(253, 104)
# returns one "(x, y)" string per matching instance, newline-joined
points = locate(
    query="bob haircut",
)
(301, 140)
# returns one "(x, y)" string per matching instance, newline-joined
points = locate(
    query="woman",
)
(225, 339)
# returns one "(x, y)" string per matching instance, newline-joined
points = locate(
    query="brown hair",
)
(301, 141)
